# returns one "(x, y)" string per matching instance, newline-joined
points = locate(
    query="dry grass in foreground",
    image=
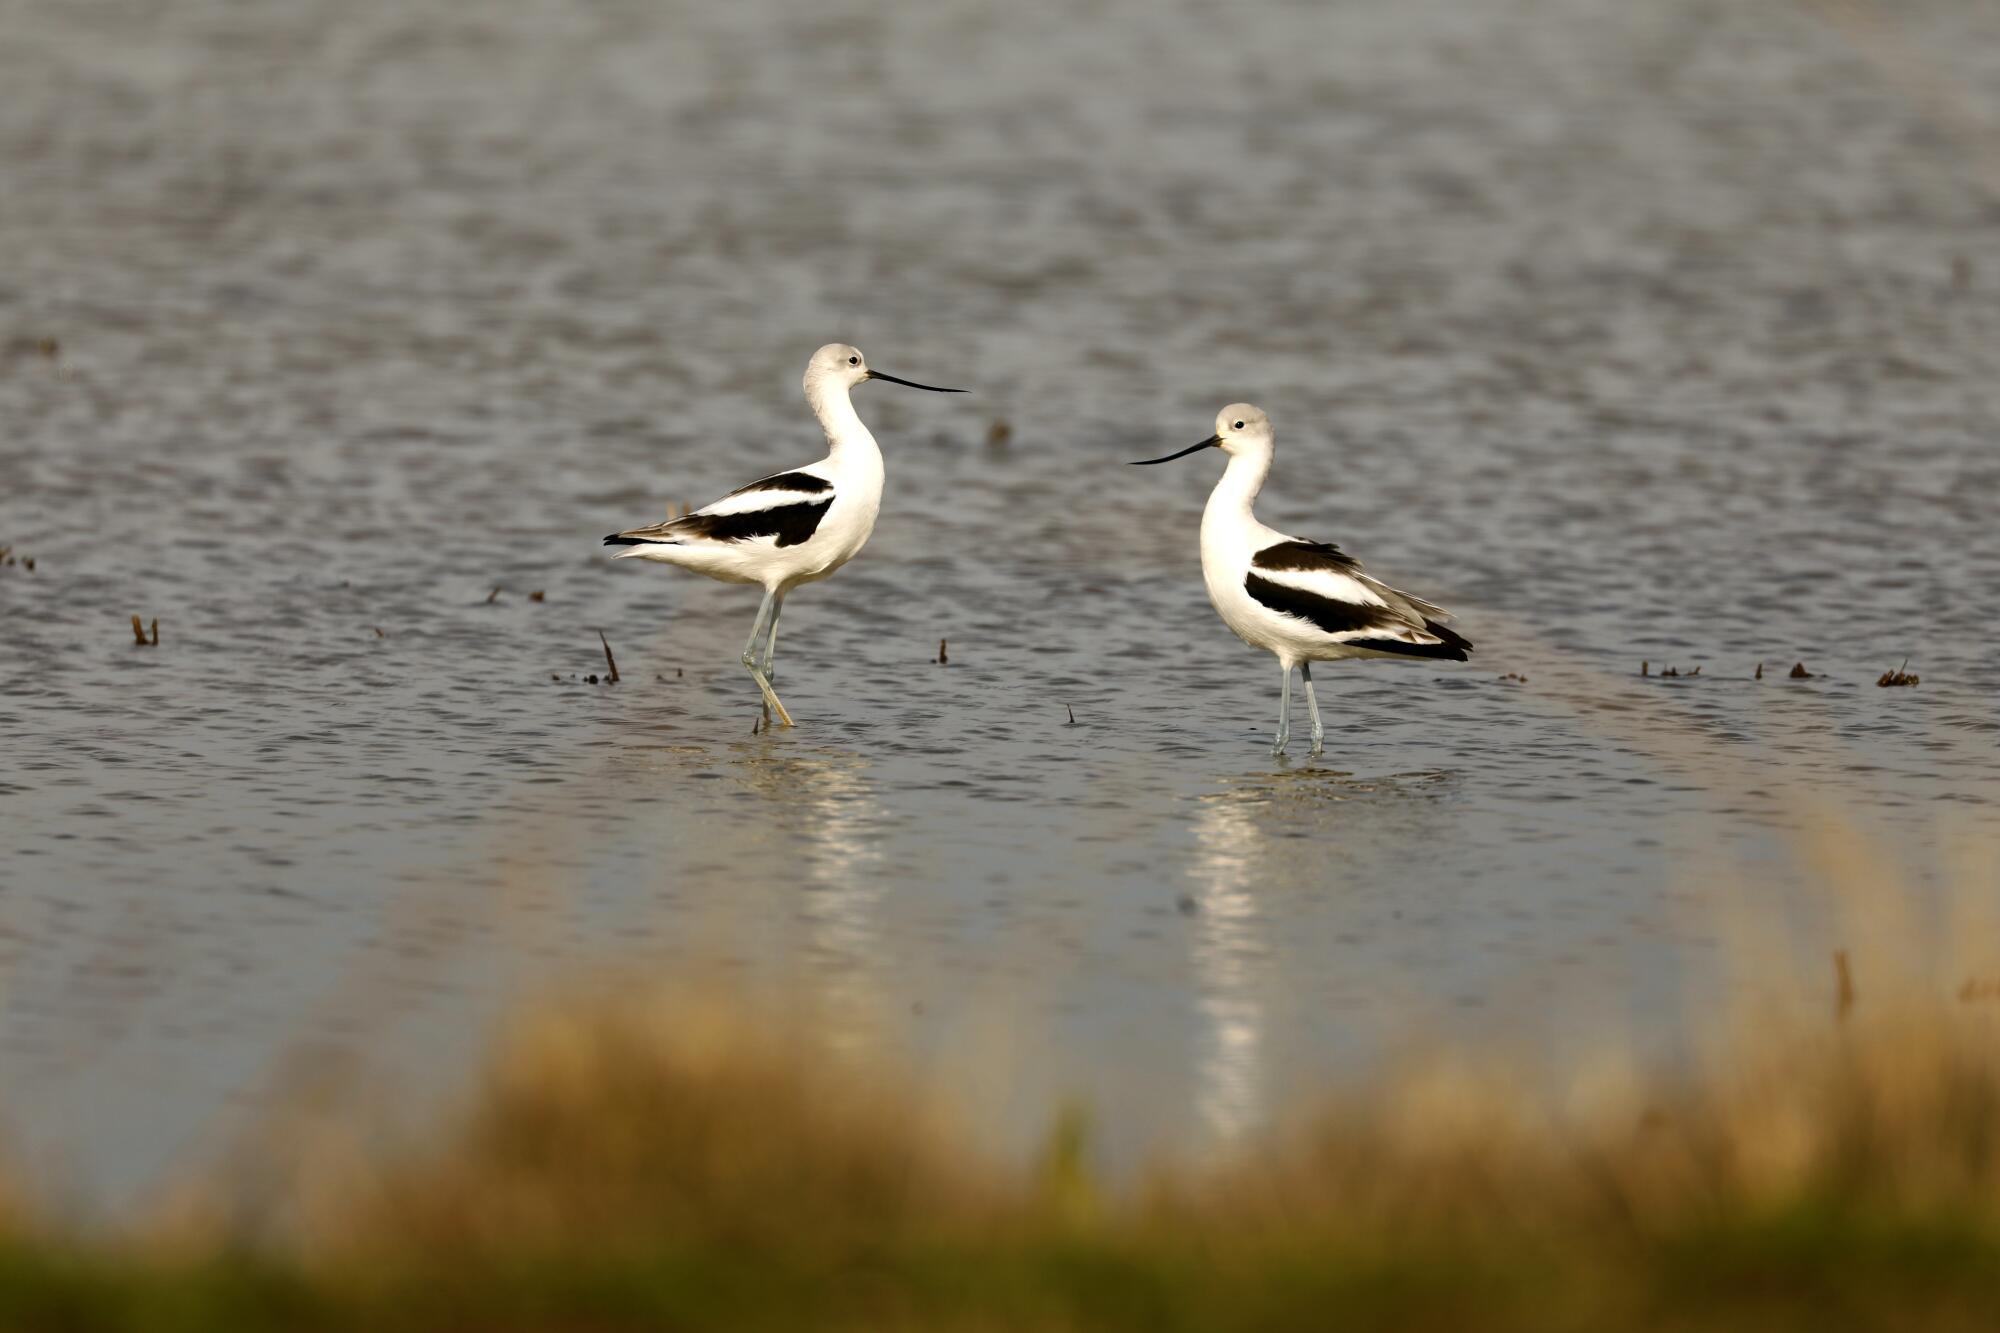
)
(628, 1163)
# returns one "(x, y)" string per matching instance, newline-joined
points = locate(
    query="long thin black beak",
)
(1208, 443)
(912, 384)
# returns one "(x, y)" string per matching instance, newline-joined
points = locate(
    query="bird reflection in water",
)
(830, 804)
(1230, 956)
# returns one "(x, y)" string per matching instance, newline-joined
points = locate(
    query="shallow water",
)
(1667, 334)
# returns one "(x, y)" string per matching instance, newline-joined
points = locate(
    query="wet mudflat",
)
(1664, 335)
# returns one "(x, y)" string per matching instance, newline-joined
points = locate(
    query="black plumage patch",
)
(1451, 645)
(1304, 555)
(803, 482)
(1328, 613)
(791, 524)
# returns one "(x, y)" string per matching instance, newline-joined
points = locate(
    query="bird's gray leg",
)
(1312, 708)
(771, 643)
(764, 612)
(1284, 711)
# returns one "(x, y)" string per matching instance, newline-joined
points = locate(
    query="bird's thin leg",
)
(771, 643)
(764, 612)
(1284, 711)
(1312, 708)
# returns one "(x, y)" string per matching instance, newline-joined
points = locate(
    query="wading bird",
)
(791, 527)
(1304, 601)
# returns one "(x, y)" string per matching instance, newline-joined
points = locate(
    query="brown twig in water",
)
(1072, 714)
(1899, 676)
(538, 595)
(609, 661)
(1760, 672)
(138, 631)
(1843, 982)
(1799, 672)
(943, 658)
(155, 640)
(1645, 668)
(493, 596)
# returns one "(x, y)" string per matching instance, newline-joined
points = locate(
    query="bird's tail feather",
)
(1450, 646)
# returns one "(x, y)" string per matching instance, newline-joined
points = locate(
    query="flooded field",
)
(1661, 333)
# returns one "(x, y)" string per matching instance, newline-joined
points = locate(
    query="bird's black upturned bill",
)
(910, 384)
(1208, 443)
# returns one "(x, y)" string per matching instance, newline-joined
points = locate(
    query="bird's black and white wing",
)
(784, 509)
(1318, 583)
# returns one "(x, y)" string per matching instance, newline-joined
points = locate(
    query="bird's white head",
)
(836, 364)
(840, 365)
(1241, 430)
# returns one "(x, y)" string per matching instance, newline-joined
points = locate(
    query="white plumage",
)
(791, 527)
(1302, 601)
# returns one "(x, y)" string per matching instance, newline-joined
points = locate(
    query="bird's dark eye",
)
(853, 360)
(1237, 426)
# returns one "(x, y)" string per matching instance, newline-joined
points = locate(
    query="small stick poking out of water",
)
(155, 640)
(1072, 714)
(943, 658)
(1645, 668)
(1760, 672)
(539, 594)
(1799, 672)
(139, 631)
(609, 661)
(1899, 676)
(493, 596)
(1843, 985)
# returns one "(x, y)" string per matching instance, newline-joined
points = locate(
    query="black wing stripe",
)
(1304, 555)
(803, 482)
(1328, 613)
(1452, 646)
(790, 524)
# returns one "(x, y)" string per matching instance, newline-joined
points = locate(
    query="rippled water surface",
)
(1663, 332)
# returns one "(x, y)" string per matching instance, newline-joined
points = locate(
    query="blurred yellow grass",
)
(636, 1156)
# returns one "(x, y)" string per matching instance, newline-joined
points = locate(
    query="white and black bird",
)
(1301, 600)
(791, 527)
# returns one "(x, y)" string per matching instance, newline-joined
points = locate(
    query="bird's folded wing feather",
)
(787, 498)
(1323, 570)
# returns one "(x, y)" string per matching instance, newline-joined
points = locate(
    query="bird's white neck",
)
(1229, 503)
(846, 437)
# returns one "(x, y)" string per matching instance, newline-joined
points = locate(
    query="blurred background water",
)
(1663, 331)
